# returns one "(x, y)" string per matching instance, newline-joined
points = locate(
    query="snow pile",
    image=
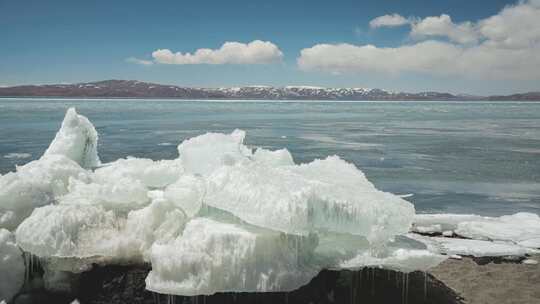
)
(11, 266)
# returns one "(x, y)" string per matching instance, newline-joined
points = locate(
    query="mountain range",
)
(138, 89)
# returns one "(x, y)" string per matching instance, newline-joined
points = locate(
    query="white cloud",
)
(443, 26)
(514, 27)
(504, 46)
(388, 21)
(139, 61)
(255, 52)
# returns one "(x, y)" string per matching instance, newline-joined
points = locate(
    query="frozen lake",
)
(455, 157)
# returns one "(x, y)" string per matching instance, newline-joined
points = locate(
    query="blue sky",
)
(75, 41)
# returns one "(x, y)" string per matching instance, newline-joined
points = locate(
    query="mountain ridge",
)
(137, 89)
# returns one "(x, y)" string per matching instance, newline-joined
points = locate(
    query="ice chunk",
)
(187, 193)
(477, 248)
(530, 262)
(211, 257)
(531, 243)
(431, 229)
(121, 194)
(328, 194)
(446, 221)
(204, 154)
(448, 233)
(35, 184)
(521, 228)
(12, 267)
(280, 157)
(76, 235)
(160, 222)
(153, 174)
(71, 231)
(77, 140)
(404, 260)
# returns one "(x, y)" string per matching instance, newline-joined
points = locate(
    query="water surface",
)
(464, 157)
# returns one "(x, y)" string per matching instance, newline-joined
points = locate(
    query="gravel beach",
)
(491, 283)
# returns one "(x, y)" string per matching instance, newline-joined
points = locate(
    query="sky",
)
(474, 47)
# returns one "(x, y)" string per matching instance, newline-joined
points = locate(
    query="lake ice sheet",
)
(220, 217)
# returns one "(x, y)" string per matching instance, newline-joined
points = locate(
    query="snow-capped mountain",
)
(138, 89)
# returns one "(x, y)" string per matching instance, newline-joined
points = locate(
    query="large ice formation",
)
(220, 217)
(12, 267)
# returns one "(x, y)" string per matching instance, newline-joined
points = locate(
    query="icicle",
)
(402, 288)
(373, 282)
(425, 285)
(361, 274)
(353, 286)
(406, 288)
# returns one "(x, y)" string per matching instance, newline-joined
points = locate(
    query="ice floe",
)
(521, 228)
(17, 155)
(468, 247)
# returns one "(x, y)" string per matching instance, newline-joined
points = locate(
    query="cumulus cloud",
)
(139, 61)
(388, 21)
(444, 26)
(503, 46)
(514, 27)
(255, 52)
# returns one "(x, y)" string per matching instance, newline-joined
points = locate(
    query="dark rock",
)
(125, 284)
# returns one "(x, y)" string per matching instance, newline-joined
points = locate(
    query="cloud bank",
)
(503, 46)
(255, 52)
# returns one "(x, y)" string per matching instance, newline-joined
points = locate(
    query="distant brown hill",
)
(138, 89)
